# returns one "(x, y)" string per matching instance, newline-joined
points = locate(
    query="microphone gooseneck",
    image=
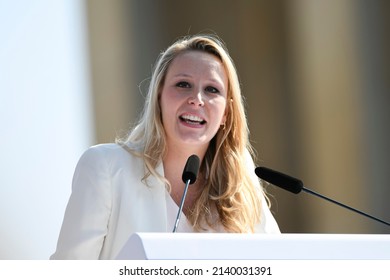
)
(189, 176)
(294, 185)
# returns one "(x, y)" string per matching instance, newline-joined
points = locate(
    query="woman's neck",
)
(176, 157)
(174, 163)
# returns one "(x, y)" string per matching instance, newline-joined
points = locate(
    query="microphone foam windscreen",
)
(278, 179)
(191, 169)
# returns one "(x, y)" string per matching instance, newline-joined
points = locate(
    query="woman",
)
(194, 106)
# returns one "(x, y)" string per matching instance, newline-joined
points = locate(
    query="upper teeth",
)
(192, 118)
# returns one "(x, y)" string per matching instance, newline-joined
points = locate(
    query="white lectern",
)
(224, 246)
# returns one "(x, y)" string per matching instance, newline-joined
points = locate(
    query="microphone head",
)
(191, 169)
(278, 179)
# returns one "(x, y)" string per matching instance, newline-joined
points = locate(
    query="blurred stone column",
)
(328, 110)
(374, 44)
(112, 78)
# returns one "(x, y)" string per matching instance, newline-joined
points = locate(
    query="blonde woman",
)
(193, 106)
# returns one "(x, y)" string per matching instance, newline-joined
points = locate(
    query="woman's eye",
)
(183, 85)
(212, 90)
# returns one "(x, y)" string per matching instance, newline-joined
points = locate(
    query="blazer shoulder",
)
(110, 154)
(108, 150)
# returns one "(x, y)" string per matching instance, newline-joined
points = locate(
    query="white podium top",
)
(228, 246)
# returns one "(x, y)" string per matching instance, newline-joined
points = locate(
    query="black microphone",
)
(294, 185)
(190, 173)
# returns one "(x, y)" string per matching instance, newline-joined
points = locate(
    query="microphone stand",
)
(345, 206)
(295, 186)
(181, 205)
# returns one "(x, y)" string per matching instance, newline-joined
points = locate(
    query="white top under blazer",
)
(109, 202)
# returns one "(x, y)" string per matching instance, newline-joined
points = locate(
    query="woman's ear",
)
(227, 110)
(223, 121)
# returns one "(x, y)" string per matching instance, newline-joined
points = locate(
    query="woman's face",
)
(193, 99)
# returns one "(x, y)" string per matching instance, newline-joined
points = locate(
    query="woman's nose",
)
(196, 99)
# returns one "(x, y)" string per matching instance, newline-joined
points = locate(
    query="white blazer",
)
(109, 202)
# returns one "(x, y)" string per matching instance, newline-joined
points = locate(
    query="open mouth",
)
(191, 119)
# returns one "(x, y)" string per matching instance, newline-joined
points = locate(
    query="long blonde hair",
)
(229, 188)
